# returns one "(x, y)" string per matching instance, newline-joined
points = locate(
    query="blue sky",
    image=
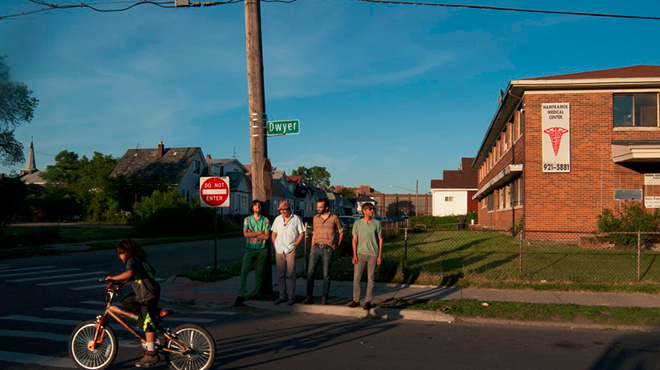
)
(385, 94)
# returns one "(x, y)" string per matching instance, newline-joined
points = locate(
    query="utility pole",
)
(261, 171)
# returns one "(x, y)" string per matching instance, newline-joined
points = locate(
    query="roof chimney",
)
(208, 157)
(161, 149)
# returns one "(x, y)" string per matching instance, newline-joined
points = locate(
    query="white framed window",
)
(449, 199)
(635, 110)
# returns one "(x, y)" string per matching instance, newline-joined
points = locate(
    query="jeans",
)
(318, 253)
(248, 260)
(370, 260)
(286, 273)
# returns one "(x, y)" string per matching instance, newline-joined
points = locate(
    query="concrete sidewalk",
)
(222, 294)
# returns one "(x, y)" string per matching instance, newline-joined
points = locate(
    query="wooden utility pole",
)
(260, 171)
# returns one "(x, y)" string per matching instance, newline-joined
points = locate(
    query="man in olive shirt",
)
(367, 249)
(328, 234)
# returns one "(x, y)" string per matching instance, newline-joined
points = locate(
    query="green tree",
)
(12, 194)
(16, 106)
(87, 181)
(317, 176)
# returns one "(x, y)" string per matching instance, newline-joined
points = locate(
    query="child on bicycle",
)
(146, 293)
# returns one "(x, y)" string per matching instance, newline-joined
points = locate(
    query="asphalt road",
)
(39, 310)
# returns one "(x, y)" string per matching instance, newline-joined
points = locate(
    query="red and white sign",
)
(214, 191)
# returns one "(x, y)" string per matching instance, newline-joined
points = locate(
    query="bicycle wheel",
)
(200, 341)
(92, 359)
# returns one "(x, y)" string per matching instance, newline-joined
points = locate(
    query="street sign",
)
(214, 191)
(288, 127)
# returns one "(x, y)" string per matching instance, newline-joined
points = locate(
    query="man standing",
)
(256, 229)
(287, 232)
(328, 234)
(367, 248)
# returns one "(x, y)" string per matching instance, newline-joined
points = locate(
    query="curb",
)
(381, 313)
(561, 325)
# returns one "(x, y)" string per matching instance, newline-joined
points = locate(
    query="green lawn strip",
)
(34, 236)
(535, 311)
(208, 275)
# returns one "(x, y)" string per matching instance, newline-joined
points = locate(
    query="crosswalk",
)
(39, 338)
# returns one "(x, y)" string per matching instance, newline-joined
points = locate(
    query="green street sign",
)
(288, 127)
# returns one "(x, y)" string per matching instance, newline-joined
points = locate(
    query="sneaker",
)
(324, 300)
(239, 301)
(367, 306)
(354, 304)
(279, 300)
(149, 359)
(308, 300)
(291, 301)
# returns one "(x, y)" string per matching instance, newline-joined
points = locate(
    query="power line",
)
(559, 12)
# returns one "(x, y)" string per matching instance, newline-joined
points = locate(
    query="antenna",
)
(138, 146)
(234, 151)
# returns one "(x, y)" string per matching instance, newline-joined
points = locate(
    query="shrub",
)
(628, 217)
(444, 222)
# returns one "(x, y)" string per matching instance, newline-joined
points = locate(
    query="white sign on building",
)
(556, 118)
(652, 179)
(652, 202)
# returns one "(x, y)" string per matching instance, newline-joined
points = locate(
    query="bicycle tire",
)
(202, 343)
(97, 359)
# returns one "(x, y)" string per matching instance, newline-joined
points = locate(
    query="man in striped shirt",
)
(328, 234)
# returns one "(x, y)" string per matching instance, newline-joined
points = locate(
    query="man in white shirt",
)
(287, 232)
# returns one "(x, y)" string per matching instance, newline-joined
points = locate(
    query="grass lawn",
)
(491, 259)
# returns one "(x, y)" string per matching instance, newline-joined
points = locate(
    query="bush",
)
(168, 214)
(444, 222)
(628, 217)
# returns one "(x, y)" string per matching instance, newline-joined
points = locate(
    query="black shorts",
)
(148, 312)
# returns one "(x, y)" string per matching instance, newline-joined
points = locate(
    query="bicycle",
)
(93, 343)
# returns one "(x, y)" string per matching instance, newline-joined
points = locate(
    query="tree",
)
(317, 176)
(16, 106)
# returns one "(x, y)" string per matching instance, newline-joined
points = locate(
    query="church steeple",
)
(31, 164)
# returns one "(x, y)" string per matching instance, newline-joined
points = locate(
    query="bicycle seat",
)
(165, 312)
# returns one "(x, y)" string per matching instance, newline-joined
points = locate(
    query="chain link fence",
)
(443, 256)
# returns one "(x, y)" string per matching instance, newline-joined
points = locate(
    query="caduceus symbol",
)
(555, 134)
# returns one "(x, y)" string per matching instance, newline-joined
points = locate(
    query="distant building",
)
(31, 176)
(561, 149)
(178, 168)
(453, 194)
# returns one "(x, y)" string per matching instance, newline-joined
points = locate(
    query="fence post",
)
(405, 248)
(305, 247)
(520, 253)
(639, 255)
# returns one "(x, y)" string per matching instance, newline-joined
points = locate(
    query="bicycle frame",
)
(117, 314)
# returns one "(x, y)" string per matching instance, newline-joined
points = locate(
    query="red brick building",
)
(561, 149)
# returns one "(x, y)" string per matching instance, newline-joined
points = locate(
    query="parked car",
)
(347, 220)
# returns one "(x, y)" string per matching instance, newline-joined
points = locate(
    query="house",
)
(178, 168)
(453, 194)
(561, 149)
(240, 185)
(281, 193)
(31, 176)
(362, 199)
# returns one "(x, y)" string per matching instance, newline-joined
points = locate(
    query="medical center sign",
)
(556, 119)
(214, 191)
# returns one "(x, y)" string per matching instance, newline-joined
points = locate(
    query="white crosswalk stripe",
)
(69, 282)
(25, 358)
(57, 337)
(100, 286)
(3, 269)
(37, 272)
(56, 276)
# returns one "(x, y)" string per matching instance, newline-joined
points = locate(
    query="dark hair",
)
(368, 205)
(131, 248)
(325, 201)
(252, 204)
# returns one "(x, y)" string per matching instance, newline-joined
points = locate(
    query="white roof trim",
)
(508, 173)
(631, 153)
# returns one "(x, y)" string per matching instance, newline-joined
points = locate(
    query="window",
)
(633, 194)
(638, 110)
(196, 167)
(517, 193)
(491, 202)
(449, 199)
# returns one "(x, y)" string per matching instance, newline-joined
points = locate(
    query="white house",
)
(453, 194)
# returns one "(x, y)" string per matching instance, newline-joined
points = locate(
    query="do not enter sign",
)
(214, 191)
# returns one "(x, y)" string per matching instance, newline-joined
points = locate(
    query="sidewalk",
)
(222, 294)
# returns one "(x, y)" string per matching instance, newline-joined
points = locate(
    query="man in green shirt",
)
(367, 249)
(256, 229)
